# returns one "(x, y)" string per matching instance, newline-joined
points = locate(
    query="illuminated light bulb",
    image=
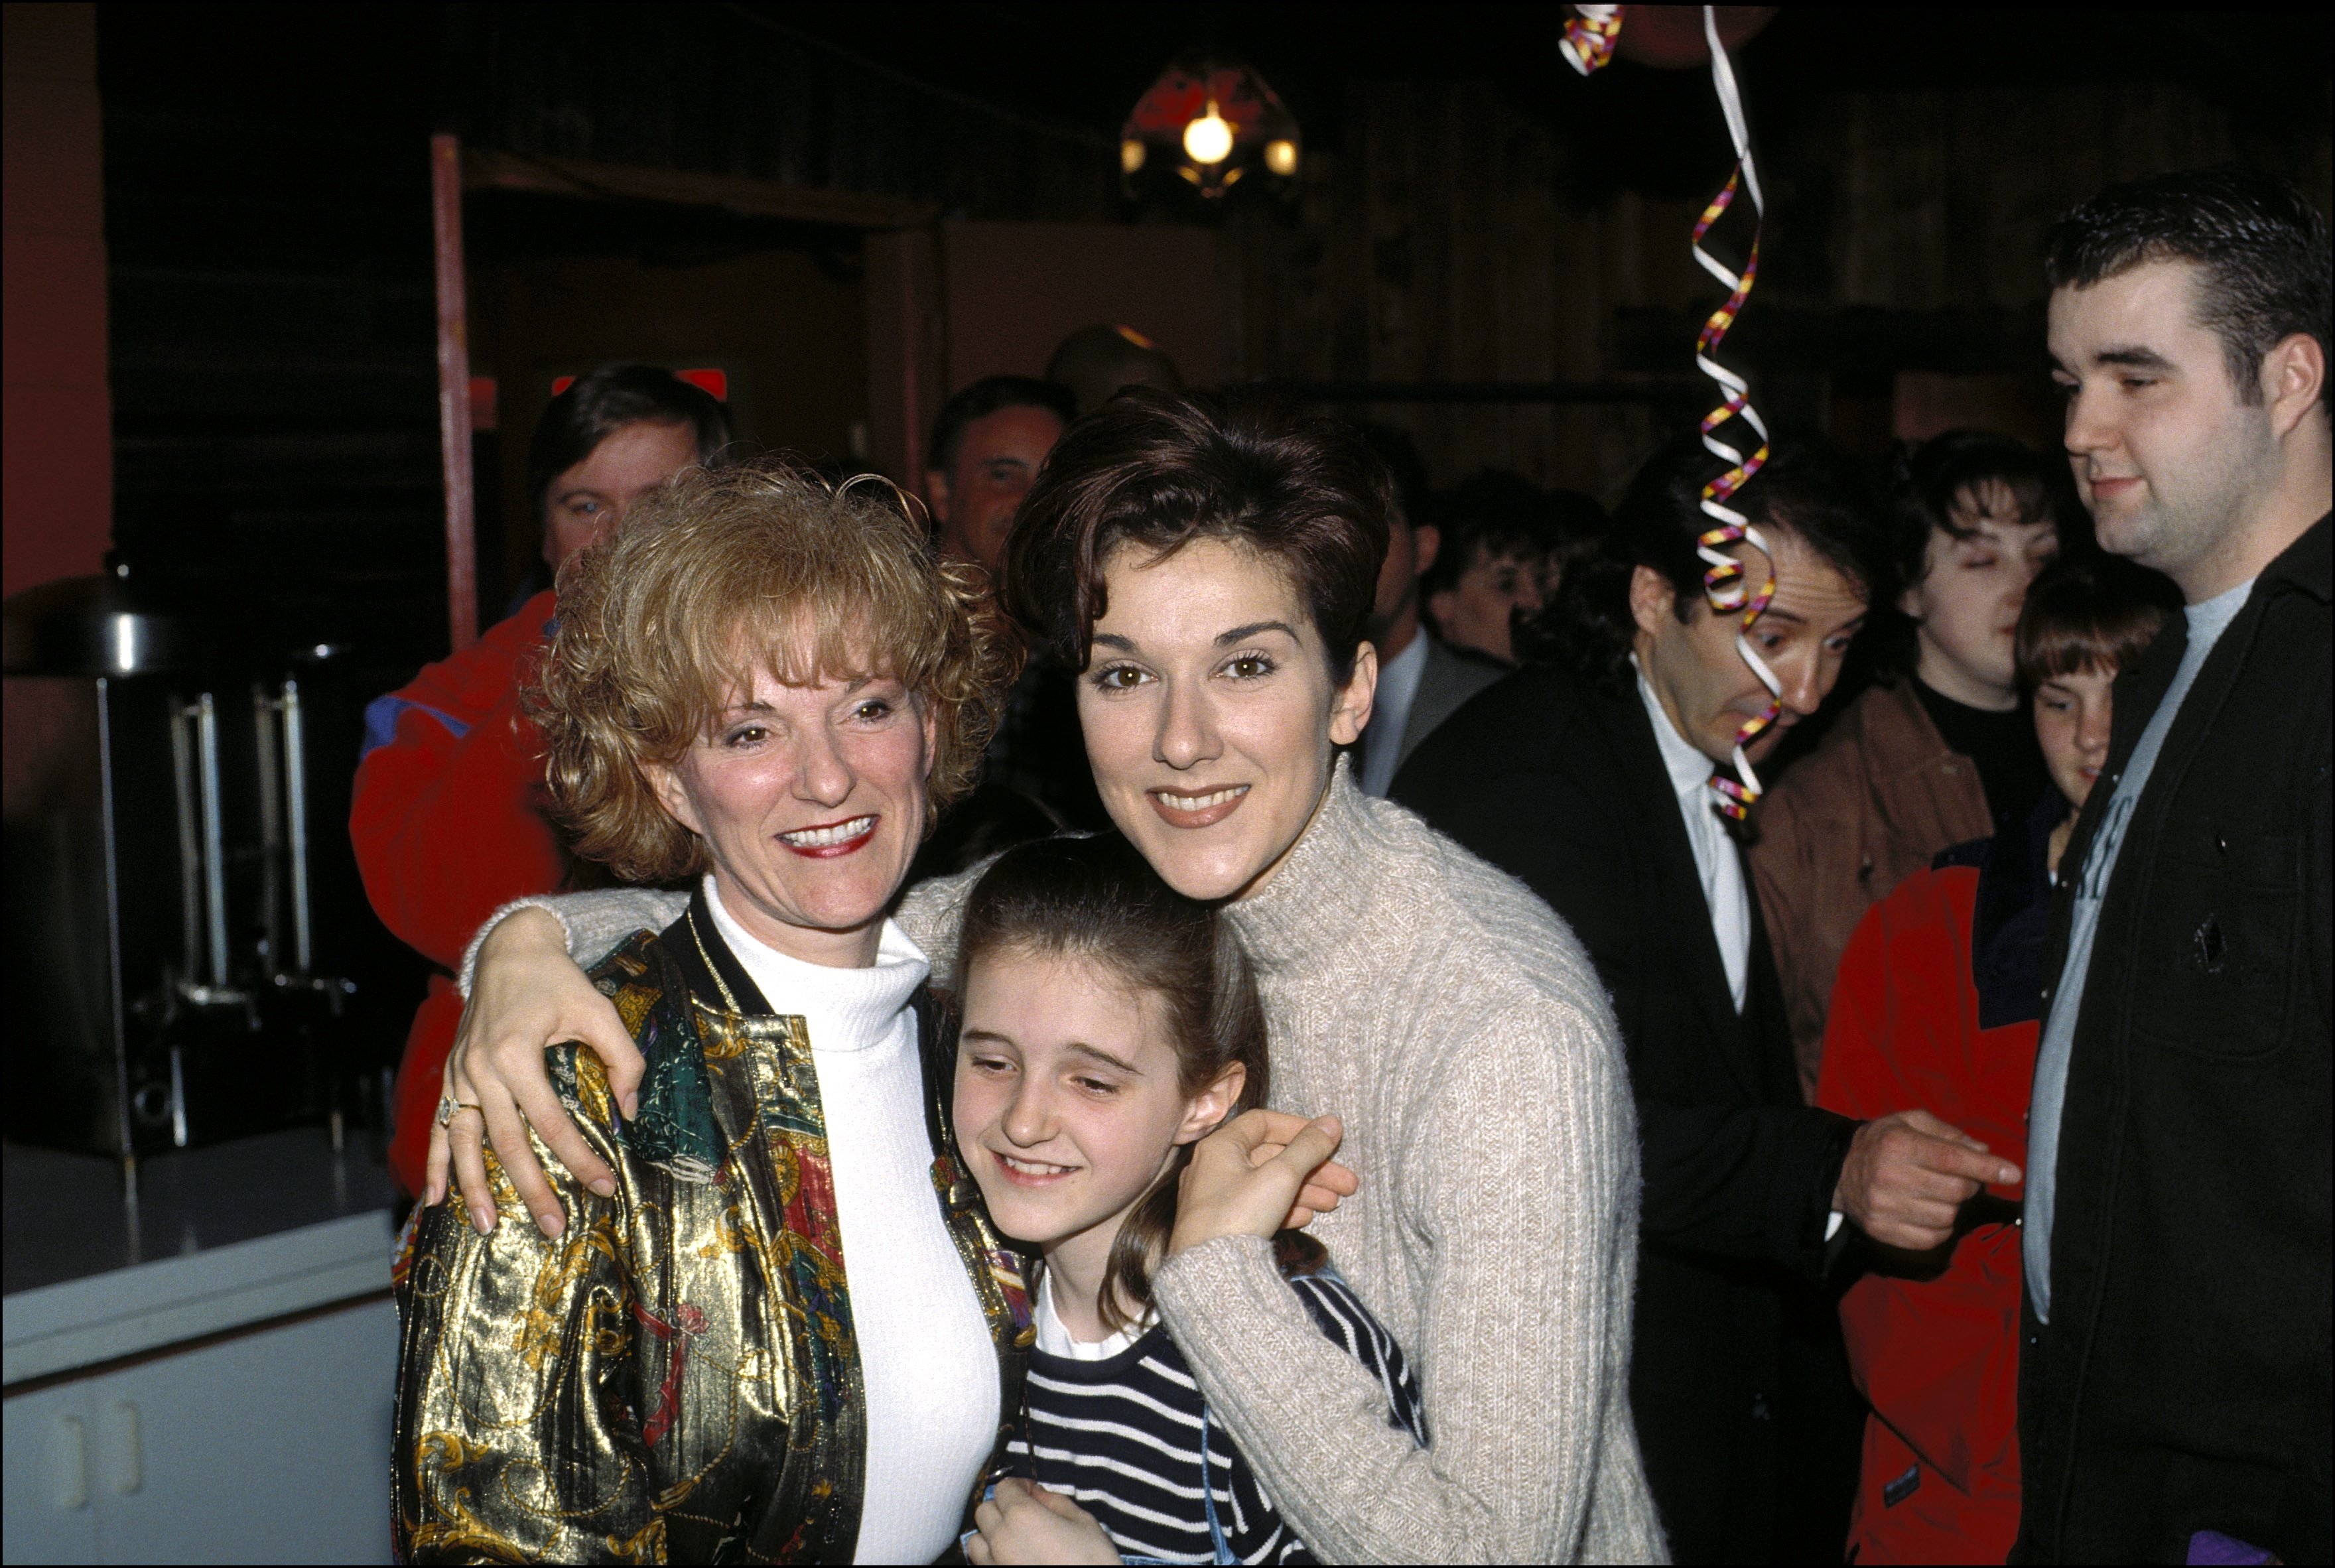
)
(1209, 139)
(1280, 156)
(1131, 155)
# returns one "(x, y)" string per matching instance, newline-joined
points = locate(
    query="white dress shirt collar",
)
(1725, 890)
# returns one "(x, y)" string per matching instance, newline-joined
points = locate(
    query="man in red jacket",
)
(446, 816)
(1937, 1008)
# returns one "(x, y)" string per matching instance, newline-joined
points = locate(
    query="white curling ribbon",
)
(1731, 103)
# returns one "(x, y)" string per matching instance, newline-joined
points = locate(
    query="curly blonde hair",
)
(725, 572)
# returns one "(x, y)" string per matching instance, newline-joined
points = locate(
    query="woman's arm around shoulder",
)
(1518, 1179)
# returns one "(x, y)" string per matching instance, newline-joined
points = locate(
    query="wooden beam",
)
(483, 169)
(454, 393)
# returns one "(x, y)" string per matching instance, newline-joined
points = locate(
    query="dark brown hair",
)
(1809, 488)
(2090, 610)
(1158, 470)
(1929, 484)
(1097, 898)
(2257, 243)
(604, 402)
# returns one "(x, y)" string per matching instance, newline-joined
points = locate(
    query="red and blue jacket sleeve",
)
(448, 816)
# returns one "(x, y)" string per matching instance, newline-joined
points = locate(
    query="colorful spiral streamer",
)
(1588, 43)
(1588, 40)
(1726, 582)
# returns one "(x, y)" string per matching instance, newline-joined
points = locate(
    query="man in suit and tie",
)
(1591, 781)
(1422, 679)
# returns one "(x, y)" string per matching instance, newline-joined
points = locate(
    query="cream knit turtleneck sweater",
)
(1455, 1024)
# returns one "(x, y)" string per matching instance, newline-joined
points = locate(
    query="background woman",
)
(1207, 567)
(780, 1325)
(447, 816)
(1942, 757)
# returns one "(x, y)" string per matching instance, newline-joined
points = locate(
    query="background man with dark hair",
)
(989, 441)
(1497, 531)
(2177, 1252)
(1591, 781)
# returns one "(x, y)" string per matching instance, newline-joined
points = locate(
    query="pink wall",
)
(56, 506)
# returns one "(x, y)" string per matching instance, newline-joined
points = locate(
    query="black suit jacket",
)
(2183, 1383)
(1563, 786)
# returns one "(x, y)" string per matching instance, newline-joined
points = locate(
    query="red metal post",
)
(454, 391)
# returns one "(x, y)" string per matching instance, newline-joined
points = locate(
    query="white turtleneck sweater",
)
(925, 1359)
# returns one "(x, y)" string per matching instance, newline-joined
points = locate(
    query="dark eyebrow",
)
(1241, 633)
(1083, 1048)
(1112, 639)
(1774, 613)
(2137, 357)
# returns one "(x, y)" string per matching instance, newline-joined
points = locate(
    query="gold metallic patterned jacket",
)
(675, 1377)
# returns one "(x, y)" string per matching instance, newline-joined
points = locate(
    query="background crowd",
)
(1980, 1074)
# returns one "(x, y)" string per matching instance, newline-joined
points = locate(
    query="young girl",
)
(1109, 1024)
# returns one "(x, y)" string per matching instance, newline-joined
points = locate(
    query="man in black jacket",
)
(1592, 783)
(2174, 1378)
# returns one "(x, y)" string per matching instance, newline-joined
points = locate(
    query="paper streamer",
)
(1726, 583)
(1588, 40)
(1588, 45)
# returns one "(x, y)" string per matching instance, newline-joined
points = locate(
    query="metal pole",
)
(214, 850)
(271, 824)
(190, 843)
(454, 391)
(296, 811)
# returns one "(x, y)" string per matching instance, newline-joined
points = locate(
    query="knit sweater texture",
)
(1456, 1025)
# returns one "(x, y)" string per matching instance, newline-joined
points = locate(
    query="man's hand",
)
(526, 995)
(1908, 1174)
(1251, 1176)
(1020, 1522)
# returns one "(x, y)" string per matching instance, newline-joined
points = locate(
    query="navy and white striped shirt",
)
(1123, 1436)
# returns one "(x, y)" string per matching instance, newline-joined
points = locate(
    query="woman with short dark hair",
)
(1206, 565)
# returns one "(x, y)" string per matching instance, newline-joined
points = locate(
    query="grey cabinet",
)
(203, 1375)
(271, 1446)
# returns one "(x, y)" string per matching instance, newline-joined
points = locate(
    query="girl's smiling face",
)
(1211, 712)
(1069, 1102)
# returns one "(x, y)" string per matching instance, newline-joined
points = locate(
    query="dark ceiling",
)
(1082, 66)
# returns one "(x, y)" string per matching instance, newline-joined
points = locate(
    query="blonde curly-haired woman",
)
(785, 1332)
